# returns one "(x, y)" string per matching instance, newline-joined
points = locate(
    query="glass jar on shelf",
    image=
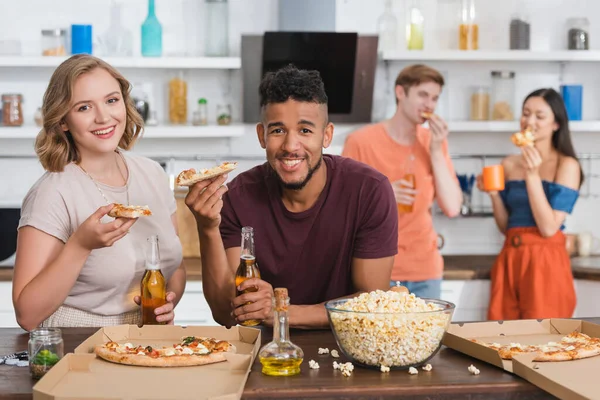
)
(519, 32)
(503, 96)
(178, 100)
(414, 30)
(54, 42)
(217, 28)
(45, 348)
(578, 33)
(12, 109)
(468, 30)
(223, 114)
(200, 116)
(480, 103)
(387, 28)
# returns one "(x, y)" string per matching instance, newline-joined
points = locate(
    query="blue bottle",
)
(151, 34)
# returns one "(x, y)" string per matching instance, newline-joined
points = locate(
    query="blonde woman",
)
(75, 266)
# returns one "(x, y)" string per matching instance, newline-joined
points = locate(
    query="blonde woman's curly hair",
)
(55, 147)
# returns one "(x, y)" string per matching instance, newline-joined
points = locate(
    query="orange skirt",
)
(532, 278)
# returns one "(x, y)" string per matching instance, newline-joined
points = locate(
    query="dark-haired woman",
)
(532, 276)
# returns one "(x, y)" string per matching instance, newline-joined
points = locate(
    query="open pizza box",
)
(82, 375)
(574, 379)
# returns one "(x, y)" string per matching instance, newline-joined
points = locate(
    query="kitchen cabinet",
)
(471, 298)
(191, 310)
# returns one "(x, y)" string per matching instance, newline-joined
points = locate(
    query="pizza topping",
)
(112, 345)
(170, 352)
(141, 353)
(570, 348)
(186, 341)
(187, 350)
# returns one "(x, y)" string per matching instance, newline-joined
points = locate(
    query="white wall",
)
(254, 16)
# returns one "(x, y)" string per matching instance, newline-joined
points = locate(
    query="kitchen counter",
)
(449, 378)
(457, 267)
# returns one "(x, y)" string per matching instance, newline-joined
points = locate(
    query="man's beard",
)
(298, 185)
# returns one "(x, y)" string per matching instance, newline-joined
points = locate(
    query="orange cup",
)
(493, 178)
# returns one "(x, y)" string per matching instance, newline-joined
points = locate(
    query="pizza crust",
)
(123, 211)
(191, 176)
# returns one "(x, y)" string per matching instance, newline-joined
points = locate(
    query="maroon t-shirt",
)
(310, 253)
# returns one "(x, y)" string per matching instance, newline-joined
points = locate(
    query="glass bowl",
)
(394, 339)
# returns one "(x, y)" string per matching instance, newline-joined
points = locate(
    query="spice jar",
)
(200, 116)
(503, 95)
(12, 111)
(468, 30)
(480, 103)
(223, 114)
(54, 42)
(519, 33)
(46, 348)
(578, 34)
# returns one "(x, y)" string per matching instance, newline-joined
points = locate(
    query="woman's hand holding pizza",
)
(205, 201)
(164, 313)
(94, 234)
(254, 305)
(532, 159)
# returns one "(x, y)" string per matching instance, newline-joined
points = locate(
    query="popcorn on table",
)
(394, 338)
(427, 367)
(334, 353)
(313, 364)
(384, 368)
(472, 369)
(345, 368)
(413, 371)
(323, 350)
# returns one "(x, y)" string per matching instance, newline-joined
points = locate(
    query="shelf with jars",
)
(131, 62)
(493, 55)
(150, 132)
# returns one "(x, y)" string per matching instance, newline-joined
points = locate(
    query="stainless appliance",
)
(346, 62)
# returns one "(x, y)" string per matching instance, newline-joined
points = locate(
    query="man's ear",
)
(260, 133)
(400, 93)
(328, 135)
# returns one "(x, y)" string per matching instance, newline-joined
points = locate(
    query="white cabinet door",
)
(7, 311)
(588, 298)
(193, 308)
(471, 298)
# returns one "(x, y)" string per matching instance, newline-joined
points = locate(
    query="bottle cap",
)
(202, 101)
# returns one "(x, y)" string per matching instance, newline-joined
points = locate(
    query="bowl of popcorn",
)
(392, 329)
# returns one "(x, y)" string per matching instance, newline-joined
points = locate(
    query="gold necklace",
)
(122, 176)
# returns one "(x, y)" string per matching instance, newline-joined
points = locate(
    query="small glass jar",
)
(200, 116)
(223, 114)
(578, 36)
(480, 103)
(46, 348)
(503, 96)
(468, 30)
(415, 28)
(12, 110)
(178, 100)
(54, 42)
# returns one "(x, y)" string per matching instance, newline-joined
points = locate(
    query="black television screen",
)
(332, 54)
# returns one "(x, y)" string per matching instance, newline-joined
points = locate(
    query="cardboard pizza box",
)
(564, 379)
(82, 375)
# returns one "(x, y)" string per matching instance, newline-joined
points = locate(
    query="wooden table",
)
(449, 378)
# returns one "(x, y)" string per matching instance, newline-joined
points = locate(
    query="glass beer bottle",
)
(153, 286)
(248, 267)
(409, 177)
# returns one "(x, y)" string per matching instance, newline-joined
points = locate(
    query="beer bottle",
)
(153, 286)
(248, 267)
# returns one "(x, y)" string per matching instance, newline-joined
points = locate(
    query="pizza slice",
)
(523, 138)
(191, 351)
(123, 211)
(426, 114)
(191, 176)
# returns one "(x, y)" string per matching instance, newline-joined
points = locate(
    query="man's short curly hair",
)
(290, 82)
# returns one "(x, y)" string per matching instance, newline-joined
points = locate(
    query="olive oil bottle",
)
(153, 287)
(248, 267)
(281, 357)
